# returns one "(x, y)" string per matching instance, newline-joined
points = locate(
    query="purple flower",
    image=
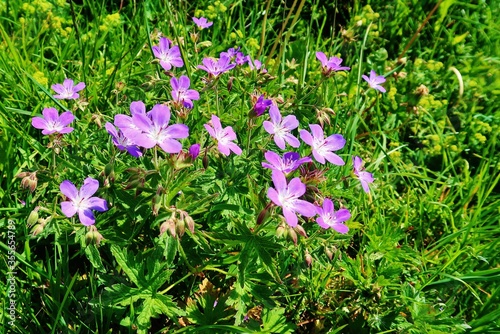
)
(214, 68)
(51, 122)
(194, 151)
(224, 136)
(375, 80)
(364, 177)
(287, 196)
(330, 65)
(231, 52)
(67, 91)
(281, 128)
(81, 201)
(329, 218)
(181, 92)
(256, 65)
(202, 22)
(169, 56)
(152, 129)
(241, 58)
(122, 142)
(322, 147)
(261, 105)
(290, 162)
(124, 122)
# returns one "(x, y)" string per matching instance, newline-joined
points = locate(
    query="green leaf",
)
(275, 321)
(94, 257)
(123, 260)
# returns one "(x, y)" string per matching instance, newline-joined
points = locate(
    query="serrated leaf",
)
(94, 257)
(170, 250)
(155, 305)
(124, 260)
(275, 321)
(120, 294)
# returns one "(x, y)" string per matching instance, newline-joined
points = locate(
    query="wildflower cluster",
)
(142, 130)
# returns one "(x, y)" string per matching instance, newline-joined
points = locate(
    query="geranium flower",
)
(287, 197)
(169, 56)
(152, 129)
(281, 128)
(329, 218)
(322, 147)
(364, 177)
(202, 22)
(81, 202)
(214, 68)
(332, 64)
(224, 136)
(124, 122)
(68, 91)
(122, 142)
(181, 92)
(194, 151)
(375, 80)
(51, 122)
(290, 162)
(261, 105)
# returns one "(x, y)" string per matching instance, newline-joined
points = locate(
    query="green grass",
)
(421, 255)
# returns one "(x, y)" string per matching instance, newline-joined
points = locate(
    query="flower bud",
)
(180, 227)
(230, 84)
(329, 253)
(280, 231)
(292, 235)
(205, 159)
(37, 229)
(190, 223)
(300, 230)
(157, 201)
(93, 236)
(263, 215)
(168, 225)
(308, 259)
(29, 180)
(33, 217)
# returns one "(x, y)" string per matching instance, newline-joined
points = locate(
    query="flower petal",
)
(98, 204)
(137, 107)
(171, 146)
(306, 137)
(68, 189)
(68, 209)
(89, 187)
(160, 115)
(305, 208)
(279, 181)
(66, 118)
(296, 187)
(290, 217)
(273, 195)
(86, 217)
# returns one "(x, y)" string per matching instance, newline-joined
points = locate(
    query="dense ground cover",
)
(189, 231)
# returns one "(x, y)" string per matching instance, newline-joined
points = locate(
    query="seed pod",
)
(33, 217)
(190, 223)
(300, 230)
(37, 229)
(308, 259)
(292, 235)
(280, 231)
